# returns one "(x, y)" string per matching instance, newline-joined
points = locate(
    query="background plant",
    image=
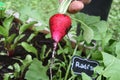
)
(12, 40)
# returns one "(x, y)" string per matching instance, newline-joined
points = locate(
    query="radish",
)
(59, 26)
(60, 23)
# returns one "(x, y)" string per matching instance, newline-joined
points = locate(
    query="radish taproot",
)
(59, 26)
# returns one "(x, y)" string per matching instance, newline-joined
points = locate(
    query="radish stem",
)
(52, 59)
(64, 6)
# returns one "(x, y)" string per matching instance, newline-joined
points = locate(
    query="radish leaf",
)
(36, 71)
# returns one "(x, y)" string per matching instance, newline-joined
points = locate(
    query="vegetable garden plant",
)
(26, 49)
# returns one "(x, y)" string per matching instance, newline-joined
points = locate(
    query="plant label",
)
(80, 65)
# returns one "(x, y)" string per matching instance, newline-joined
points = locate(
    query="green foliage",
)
(26, 26)
(36, 71)
(6, 26)
(25, 63)
(114, 19)
(11, 38)
(43, 51)
(114, 16)
(3, 31)
(85, 77)
(11, 41)
(88, 33)
(93, 28)
(111, 70)
(7, 22)
(117, 50)
(39, 10)
(2, 9)
(29, 48)
(2, 6)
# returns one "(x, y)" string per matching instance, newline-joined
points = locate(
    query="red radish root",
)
(59, 26)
